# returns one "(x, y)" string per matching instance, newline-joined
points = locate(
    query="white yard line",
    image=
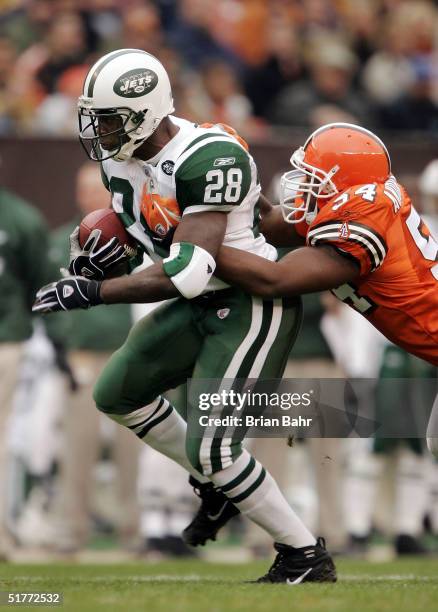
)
(386, 578)
(115, 578)
(196, 578)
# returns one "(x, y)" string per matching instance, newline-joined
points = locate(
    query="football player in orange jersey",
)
(364, 240)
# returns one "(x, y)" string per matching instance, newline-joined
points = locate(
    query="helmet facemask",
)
(128, 132)
(300, 189)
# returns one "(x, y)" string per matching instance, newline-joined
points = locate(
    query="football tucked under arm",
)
(100, 247)
(109, 225)
(186, 271)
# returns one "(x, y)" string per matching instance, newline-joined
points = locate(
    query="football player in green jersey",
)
(182, 191)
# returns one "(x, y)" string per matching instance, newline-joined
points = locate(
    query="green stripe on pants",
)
(261, 349)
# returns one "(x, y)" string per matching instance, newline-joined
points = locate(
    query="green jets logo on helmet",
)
(135, 83)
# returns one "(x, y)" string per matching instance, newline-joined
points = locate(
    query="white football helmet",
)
(130, 89)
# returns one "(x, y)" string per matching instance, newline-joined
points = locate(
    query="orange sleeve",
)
(230, 130)
(355, 224)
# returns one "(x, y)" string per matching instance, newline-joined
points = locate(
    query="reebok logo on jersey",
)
(67, 291)
(224, 161)
(344, 231)
(223, 313)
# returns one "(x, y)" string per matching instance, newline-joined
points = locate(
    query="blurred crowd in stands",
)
(255, 64)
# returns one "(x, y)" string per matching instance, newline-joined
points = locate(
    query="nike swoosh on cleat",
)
(214, 517)
(300, 578)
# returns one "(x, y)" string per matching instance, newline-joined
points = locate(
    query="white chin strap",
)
(127, 150)
(136, 139)
(306, 184)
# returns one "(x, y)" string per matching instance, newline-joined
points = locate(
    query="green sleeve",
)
(216, 177)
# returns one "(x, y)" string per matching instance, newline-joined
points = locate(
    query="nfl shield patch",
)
(167, 167)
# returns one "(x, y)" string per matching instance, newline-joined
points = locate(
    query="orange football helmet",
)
(335, 157)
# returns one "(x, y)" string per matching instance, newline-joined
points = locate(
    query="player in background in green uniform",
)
(24, 265)
(182, 191)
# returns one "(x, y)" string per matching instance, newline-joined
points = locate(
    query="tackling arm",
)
(275, 229)
(304, 270)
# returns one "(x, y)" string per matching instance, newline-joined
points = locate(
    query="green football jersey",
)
(24, 268)
(200, 169)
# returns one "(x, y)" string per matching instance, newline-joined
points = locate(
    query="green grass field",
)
(192, 586)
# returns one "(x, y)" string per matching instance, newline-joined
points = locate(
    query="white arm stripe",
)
(372, 242)
(189, 267)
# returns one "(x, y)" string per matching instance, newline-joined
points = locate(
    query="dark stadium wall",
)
(43, 171)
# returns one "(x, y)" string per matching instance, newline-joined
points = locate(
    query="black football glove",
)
(90, 261)
(67, 294)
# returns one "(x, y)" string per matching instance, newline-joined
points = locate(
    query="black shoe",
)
(408, 545)
(297, 565)
(215, 511)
